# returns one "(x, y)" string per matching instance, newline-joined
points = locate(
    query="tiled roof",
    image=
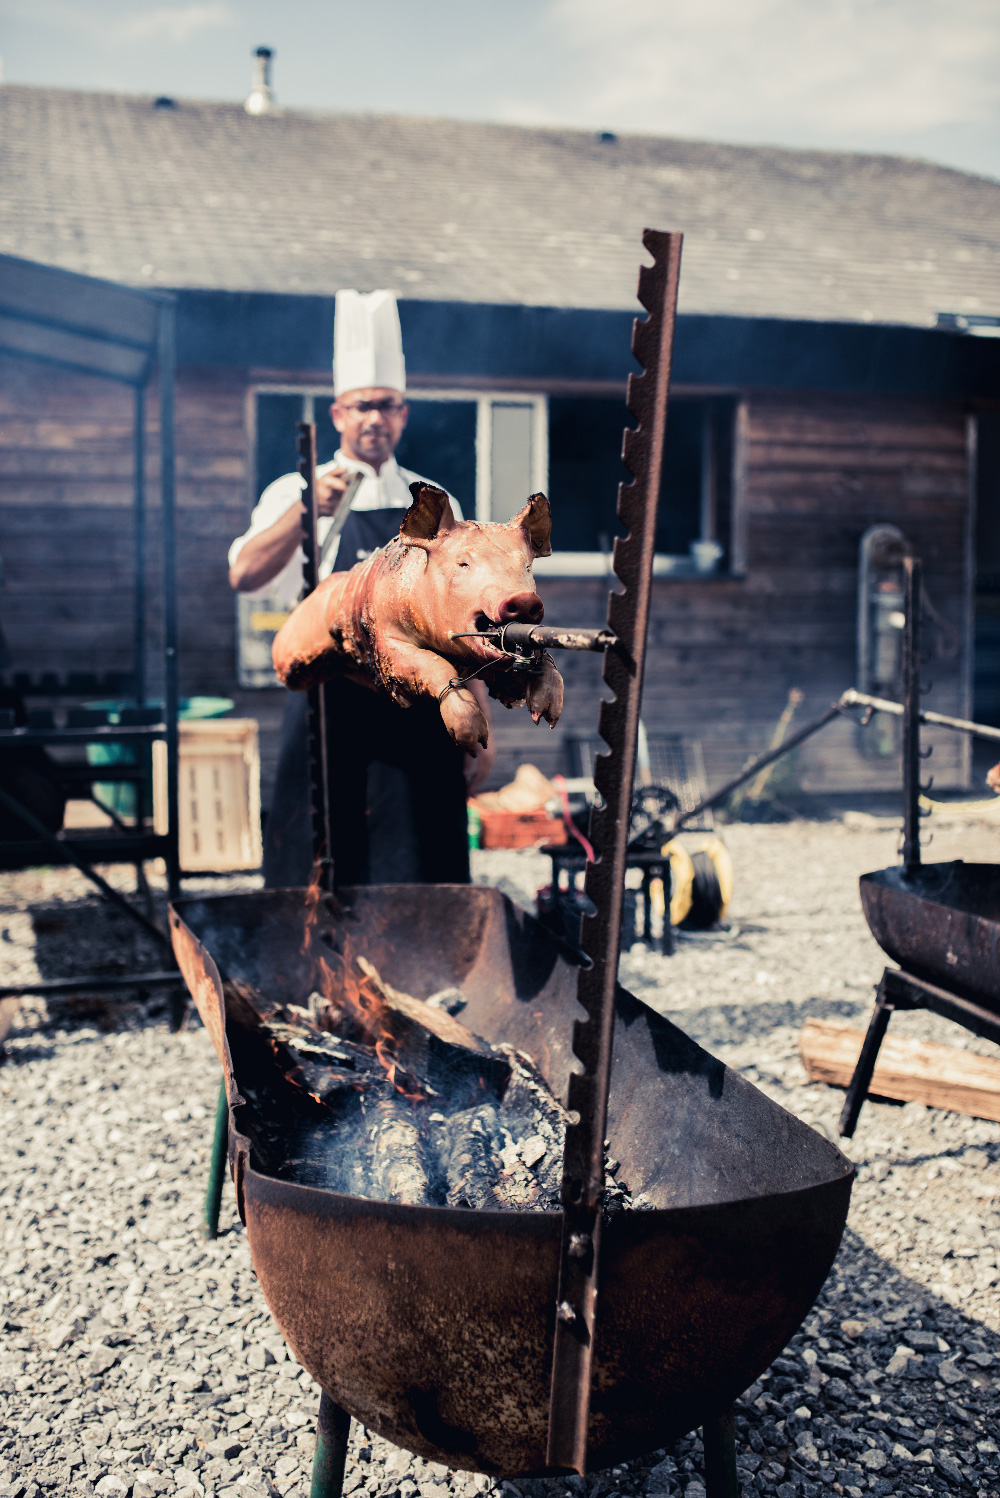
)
(204, 195)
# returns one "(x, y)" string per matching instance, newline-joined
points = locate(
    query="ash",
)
(504, 1153)
(135, 1358)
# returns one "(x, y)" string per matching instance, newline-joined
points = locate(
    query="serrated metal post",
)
(628, 618)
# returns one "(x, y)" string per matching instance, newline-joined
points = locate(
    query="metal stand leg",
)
(668, 931)
(333, 1431)
(217, 1168)
(719, 1439)
(861, 1081)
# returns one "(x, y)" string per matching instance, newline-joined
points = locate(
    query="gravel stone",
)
(141, 1355)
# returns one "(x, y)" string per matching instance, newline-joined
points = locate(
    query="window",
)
(491, 450)
(585, 469)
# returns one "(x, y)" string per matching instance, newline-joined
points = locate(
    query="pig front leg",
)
(422, 673)
(545, 693)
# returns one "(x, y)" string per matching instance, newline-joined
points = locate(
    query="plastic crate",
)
(520, 829)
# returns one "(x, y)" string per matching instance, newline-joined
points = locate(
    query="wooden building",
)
(828, 378)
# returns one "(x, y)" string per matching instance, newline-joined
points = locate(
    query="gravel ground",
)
(137, 1358)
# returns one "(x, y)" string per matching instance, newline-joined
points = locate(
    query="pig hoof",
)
(465, 721)
(545, 695)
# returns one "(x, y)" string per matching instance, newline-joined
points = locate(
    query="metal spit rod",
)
(852, 698)
(316, 696)
(582, 1190)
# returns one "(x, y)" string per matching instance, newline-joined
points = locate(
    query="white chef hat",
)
(367, 342)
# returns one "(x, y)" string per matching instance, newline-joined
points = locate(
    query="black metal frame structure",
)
(113, 332)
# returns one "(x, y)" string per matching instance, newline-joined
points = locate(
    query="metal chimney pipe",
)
(260, 99)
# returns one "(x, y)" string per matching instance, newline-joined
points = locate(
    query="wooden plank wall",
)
(817, 471)
(66, 537)
(724, 653)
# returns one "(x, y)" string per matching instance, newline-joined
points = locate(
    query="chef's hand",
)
(329, 487)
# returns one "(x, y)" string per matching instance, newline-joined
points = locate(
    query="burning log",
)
(469, 1146)
(390, 1097)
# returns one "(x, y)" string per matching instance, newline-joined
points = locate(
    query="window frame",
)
(483, 400)
(583, 564)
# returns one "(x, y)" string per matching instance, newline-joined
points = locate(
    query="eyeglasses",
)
(384, 408)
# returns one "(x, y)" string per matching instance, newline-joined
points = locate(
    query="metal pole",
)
(167, 357)
(911, 716)
(322, 843)
(139, 594)
(107, 983)
(67, 854)
(865, 1069)
(759, 762)
(333, 1431)
(719, 1440)
(935, 720)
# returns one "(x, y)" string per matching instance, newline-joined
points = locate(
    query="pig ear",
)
(429, 513)
(536, 521)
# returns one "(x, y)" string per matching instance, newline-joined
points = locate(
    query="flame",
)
(352, 1007)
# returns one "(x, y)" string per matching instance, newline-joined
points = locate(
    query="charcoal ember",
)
(535, 1122)
(324, 1065)
(468, 1146)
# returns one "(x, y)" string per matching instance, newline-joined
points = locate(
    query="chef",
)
(397, 781)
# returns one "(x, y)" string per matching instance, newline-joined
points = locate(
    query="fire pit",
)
(939, 921)
(434, 1325)
(462, 1332)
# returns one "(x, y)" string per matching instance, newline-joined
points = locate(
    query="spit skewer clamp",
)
(527, 643)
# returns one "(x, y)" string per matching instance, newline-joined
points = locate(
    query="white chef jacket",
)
(386, 490)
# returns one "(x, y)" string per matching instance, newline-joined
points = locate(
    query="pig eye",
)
(463, 564)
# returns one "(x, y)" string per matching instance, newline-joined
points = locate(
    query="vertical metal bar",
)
(139, 546)
(968, 709)
(484, 457)
(739, 519)
(167, 356)
(911, 715)
(333, 1432)
(708, 527)
(718, 1437)
(316, 716)
(217, 1165)
(582, 1192)
(864, 1071)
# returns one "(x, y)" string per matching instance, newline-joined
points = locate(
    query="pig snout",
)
(524, 608)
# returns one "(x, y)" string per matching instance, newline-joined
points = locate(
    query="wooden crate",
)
(219, 777)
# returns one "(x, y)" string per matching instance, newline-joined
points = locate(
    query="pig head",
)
(398, 619)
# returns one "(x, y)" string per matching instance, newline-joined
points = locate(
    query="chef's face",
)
(370, 423)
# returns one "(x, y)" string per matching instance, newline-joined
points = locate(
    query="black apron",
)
(397, 787)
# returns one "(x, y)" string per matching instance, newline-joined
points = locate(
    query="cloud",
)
(173, 23)
(766, 68)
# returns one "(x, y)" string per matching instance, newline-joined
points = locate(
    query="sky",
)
(910, 77)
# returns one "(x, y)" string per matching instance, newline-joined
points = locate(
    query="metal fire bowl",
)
(941, 923)
(433, 1325)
